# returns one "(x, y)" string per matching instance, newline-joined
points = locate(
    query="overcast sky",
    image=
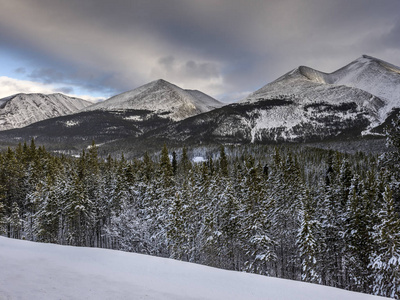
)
(225, 48)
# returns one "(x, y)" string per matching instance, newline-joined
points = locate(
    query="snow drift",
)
(45, 271)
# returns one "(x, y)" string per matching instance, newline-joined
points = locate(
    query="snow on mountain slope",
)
(46, 271)
(372, 84)
(374, 76)
(163, 98)
(23, 109)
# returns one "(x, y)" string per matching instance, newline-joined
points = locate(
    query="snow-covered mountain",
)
(371, 84)
(23, 109)
(44, 271)
(162, 98)
(302, 105)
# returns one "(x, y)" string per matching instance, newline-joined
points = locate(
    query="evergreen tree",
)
(358, 237)
(185, 162)
(165, 162)
(386, 261)
(174, 163)
(223, 162)
(257, 240)
(3, 221)
(15, 222)
(307, 242)
(390, 160)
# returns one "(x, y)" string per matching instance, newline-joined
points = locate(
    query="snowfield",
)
(45, 271)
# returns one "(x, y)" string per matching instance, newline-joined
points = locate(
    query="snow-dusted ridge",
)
(377, 85)
(44, 271)
(163, 98)
(372, 84)
(23, 109)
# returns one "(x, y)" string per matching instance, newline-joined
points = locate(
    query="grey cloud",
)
(47, 75)
(167, 62)
(190, 68)
(201, 70)
(65, 90)
(20, 70)
(392, 38)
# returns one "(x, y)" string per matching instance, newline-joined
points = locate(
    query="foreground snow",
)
(44, 271)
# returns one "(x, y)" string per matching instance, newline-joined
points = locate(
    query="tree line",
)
(305, 214)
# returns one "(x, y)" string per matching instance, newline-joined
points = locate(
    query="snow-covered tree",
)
(308, 242)
(386, 260)
(15, 222)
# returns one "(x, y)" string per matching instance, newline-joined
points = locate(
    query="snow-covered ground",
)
(44, 271)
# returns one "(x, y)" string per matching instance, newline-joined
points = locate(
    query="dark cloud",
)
(392, 38)
(65, 90)
(20, 70)
(189, 68)
(201, 70)
(47, 75)
(223, 47)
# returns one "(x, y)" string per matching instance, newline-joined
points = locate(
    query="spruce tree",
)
(15, 222)
(308, 242)
(386, 260)
(223, 162)
(165, 162)
(2, 218)
(174, 163)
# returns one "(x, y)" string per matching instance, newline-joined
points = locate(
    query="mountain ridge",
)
(23, 109)
(373, 76)
(163, 98)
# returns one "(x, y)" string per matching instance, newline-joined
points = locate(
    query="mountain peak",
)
(368, 57)
(23, 109)
(163, 81)
(163, 98)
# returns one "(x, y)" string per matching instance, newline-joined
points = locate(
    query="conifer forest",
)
(299, 213)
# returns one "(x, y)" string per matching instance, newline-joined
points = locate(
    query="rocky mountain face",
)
(162, 98)
(23, 109)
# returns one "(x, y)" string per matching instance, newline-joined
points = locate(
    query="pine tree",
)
(223, 162)
(257, 239)
(47, 217)
(3, 221)
(174, 163)
(307, 242)
(15, 222)
(165, 162)
(79, 212)
(358, 237)
(390, 160)
(229, 224)
(386, 261)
